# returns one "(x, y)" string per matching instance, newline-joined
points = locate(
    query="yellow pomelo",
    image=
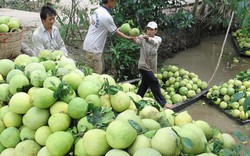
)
(42, 134)
(228, 141)
(205, 127)
(116, 152)
(149, 112)
(43, 152)
(95, 143)
(59, 122)
(8, 152)
(3, 111)
(59, 107)
(105, 102)
(27, 134)
(20, 103)
(79, 149)
(77, 108)
(72, 79)
(43, 98)
(183, 118)
(12, 73)
(17, 83)
(51, 82)
(92, 85)
(120, 134)
(12, 119)
(12, 134)
(120, 101)
(151, 124)
(27, 147)
(23, 60)
(59, 143)
(36, 117)
(6, 66)
(5, 92)
(32, 90)
(141, 141)
(166, 136)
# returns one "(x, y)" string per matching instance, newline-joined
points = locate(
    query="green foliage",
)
(243, 75)
(121, 58)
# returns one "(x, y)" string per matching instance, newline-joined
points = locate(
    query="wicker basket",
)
(10, 44)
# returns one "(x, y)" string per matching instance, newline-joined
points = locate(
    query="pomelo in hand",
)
(95, 143)
(120, 134)
(59, 143)
(125, 28)
(134, 32)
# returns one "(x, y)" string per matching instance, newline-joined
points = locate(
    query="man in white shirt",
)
(101, 23)
(47, 36)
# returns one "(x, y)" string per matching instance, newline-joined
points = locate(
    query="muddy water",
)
(202, 60)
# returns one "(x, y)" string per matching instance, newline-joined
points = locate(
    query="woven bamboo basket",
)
(10, 44)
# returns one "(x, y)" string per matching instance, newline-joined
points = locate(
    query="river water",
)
(202, 60)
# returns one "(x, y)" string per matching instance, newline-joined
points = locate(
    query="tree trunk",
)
(196, 3)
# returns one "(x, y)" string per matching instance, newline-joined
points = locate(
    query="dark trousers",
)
(150, 81)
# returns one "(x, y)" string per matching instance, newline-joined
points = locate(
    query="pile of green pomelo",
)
(9, 24)
(49, 107)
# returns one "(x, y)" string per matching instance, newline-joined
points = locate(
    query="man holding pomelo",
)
(101, 23)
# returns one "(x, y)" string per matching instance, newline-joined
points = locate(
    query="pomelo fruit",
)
(59, 107)
(120, 101)
(141, 141)
(43, 98)
(57, 54)
(42, 134)
(17, 83)
(79, 149)
(72, 79)
(183, 118)
(45, 54)
(37, 78)
(95, 143)
(120, 134)
(59, 122)
(3, 111)
(2, 127)
(27, 134)
(59, 143)
(6, 66)
(77, 108)
(93, 88)
(205, 127)
(32, 67)
(5, 92)
(125, 28)
(12, 73)
(51, 82)
(149, 112)
(48, 64)
(94, 99)
(4, 19)
(106, 77)
(13, 24)
(228, 141)
(151, 124)
(116, 152)
(134, 32)
(8, 152)
(12, 134)
(4, 28)
(43, 152)
(20, 103)
(105, 102)
(84, 125)
(23, 60)
(147, 152)
(12, 119)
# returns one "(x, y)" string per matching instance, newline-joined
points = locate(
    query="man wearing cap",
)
(101, 23)
(149, 44)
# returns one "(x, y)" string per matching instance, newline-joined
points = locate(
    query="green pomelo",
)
(37, 78)
(183, 91)
(51, 82)
(128, 115)
(134, 32)
(87, 87)
(17, 83)
(59, 122)
(176, 98)
(4, 28)
(147, 152)
(83, 124)
(32, 67)
(228, 141)
(127, 87)
(8, 152)
(3, 111)
(151, 124)
(140, 142)
(150, 112)
(23, 60)
(32, 90)
(166, 136)
(20, 103)
(72, 79)
(59, 143)
(206, 154)
(79, 72)
(60, 72)
(69, 96)
(106, 77)
(42, 134)
(2, 148)
(94, 99)
(6, 66)
(57, 54)
(95, 143)
(36, 117)
(120, 134)
(165, 115)
(27, 147)
(191, 93)
(5, 92)
(134, 96)
(70, 67)
(48, 64)
(120, 101)
(13, 24)
(44, 152)
(205, 127)
(43, 98)
(77, 108)
(105, 102)
(183, 118)
(79, 149)
(66, 61)
(4, 19)
(125, 28)
(12, 134)
(45, 54)
(12, 73)
(12, 119)
(35, 59)
(27, 134)
(59, 107)
(116, 152)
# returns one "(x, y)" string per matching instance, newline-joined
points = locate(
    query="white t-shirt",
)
(101, 23)
(43, 40)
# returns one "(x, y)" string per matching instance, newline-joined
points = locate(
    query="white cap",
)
(152, 25)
